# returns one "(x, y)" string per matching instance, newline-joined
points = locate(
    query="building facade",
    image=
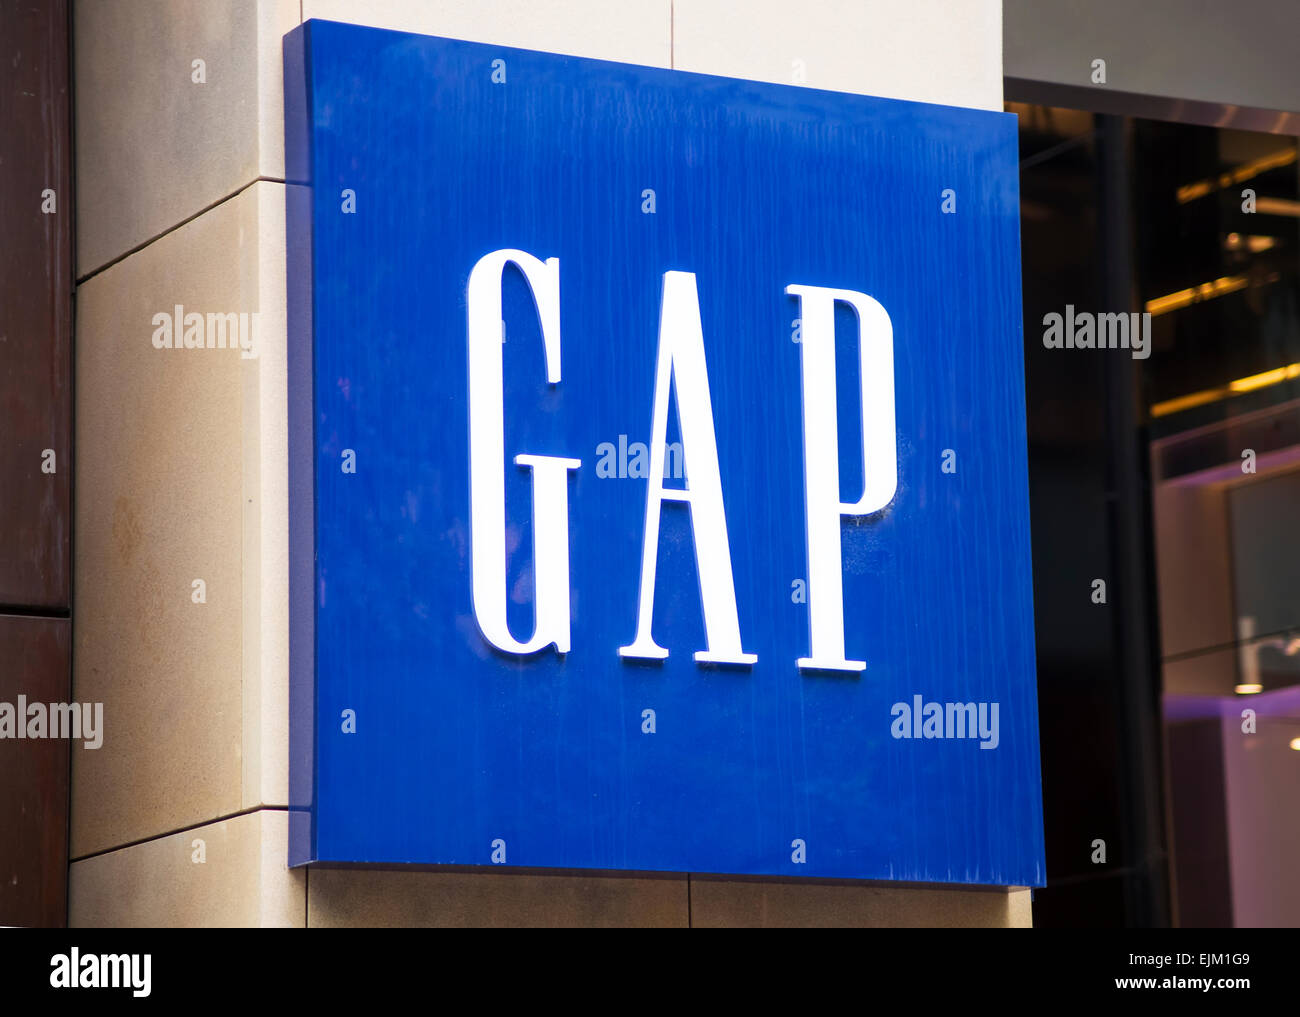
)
(156, 581)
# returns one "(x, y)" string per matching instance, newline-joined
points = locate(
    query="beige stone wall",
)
(181, 454)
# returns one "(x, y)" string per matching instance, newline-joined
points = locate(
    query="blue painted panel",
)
(757, 187)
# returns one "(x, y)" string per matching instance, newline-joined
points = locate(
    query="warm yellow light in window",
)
(1212, 395)
(1199, 189)
(1187, 402)
(1278, 206)
(1190, 192)
(1254, 244)
(1195, 294)
(1264, 378)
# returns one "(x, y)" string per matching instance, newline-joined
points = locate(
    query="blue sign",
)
(658, 475)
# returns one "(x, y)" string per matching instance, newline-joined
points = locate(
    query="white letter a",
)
(681, 362)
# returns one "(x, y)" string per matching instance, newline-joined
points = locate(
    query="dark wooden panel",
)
(35, 305)
(35, 662)
(1198, 805)
(35, 416)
